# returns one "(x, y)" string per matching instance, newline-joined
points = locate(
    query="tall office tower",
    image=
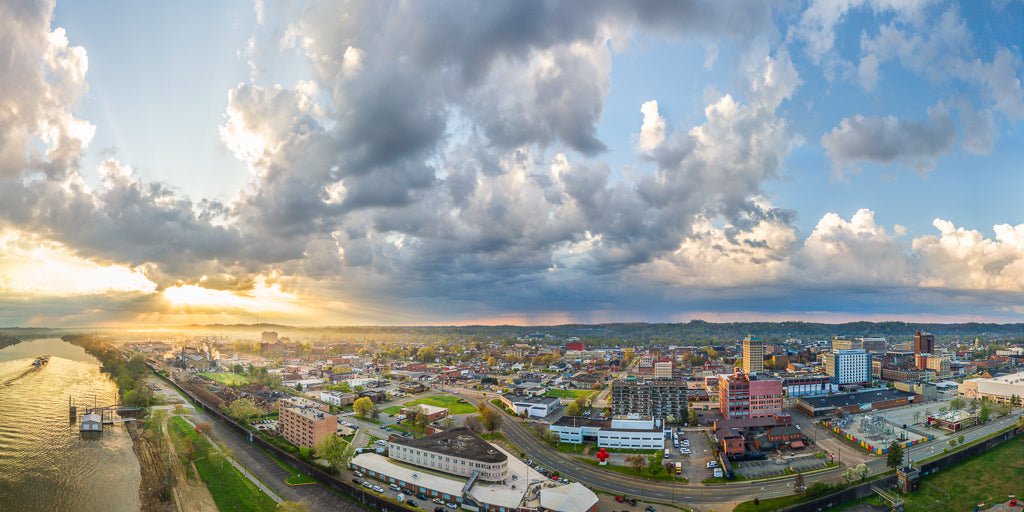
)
(924, 343)
(753, 355)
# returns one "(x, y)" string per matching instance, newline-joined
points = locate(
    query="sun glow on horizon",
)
(33, 266)
(263, 297)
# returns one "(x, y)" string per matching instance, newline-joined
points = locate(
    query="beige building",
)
(663, 369)
(457, 451)
(998, 389)
(753, 355)
(305, 427)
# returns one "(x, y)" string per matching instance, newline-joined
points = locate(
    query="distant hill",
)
(6, 341)
(696, 331)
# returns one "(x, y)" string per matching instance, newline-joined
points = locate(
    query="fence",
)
(864, 490)
(357, 494)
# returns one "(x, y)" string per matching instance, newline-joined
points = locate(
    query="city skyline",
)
(526, 163)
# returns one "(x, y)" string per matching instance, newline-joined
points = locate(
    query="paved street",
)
(318, 497)
(694, 494)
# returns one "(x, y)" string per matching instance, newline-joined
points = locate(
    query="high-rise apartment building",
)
(654, 398)
(745, 396)
(924, 343)
(753, 355)
(305, 427)
(848, 366)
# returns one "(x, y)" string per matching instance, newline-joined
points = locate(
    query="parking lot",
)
(394, 492)
(774, 467)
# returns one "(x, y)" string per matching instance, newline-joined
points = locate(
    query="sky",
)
(529, 162)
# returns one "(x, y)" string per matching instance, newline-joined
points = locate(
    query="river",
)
(44, 464)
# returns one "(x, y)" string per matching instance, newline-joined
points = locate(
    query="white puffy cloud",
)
(42, 79)
(962, 258)
(889, 139)
(652, 131)
(855, 252)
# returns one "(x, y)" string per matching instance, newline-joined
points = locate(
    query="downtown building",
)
(846, 367)
(746, 396)
(753, 355)
(652, 398)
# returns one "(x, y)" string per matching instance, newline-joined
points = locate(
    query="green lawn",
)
(988, 478)
(454, 404)
(230, 379)
(582, 448)
(569, 393)
(231, 491)
(664, 475)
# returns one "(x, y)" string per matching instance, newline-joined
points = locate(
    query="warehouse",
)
(853, 403)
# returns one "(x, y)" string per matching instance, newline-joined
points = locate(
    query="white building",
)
(337, 399)
(631, 432)
(457, 451)
(535, 406)
(998, 389)
(848, 366)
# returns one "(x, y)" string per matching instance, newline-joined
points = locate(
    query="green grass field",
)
(454, 404)
(988, 478)
(229, 379)
(569, 393)
(295, 477)
(231, 491)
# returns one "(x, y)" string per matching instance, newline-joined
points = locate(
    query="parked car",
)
(378, 488)
(411, 503)
(451, 505)
(422, 497)
(357, 481)
(649, 508)
(368, 485)
(439, 509)
(394, 487)
(439, 501)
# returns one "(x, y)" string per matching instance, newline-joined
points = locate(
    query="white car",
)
(451, 505)
(718, 473)
(378, 488)
(395, 487)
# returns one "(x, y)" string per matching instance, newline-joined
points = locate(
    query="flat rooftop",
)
(582, 421)
(858, 398)
(526, 399)
(457, 442)
(312, 413)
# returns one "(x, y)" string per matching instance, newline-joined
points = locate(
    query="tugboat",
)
(40, 361)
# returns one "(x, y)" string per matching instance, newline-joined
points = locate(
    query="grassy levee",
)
(231, 491)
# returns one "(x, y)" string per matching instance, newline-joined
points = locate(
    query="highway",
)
(693, 494)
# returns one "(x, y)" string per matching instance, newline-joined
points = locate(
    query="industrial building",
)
(852, 403)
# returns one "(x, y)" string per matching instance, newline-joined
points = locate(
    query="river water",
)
(44, 464)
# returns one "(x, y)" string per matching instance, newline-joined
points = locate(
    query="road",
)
(693, 494)
(317, 497)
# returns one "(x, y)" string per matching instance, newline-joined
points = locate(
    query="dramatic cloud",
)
(426, 169)
(888, 139)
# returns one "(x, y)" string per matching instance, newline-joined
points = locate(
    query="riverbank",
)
(157, 486)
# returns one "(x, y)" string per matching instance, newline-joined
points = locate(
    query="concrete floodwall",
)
(362, 498)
